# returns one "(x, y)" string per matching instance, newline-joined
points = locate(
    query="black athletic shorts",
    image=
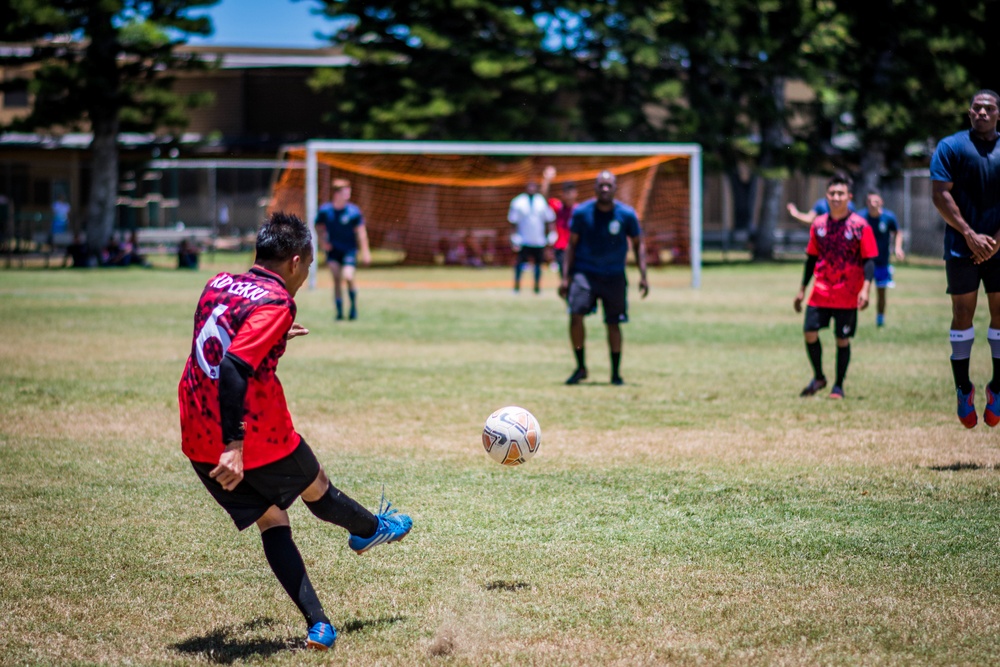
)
(845, 320)
(964, 276)
(536, 255)
(586, 288)
(278, 484)
(342, 257)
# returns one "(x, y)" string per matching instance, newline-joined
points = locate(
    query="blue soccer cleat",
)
(991, 415)
(321, 636)
(392, 527)
(967, 407)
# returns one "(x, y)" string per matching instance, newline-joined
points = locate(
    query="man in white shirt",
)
(531, 215)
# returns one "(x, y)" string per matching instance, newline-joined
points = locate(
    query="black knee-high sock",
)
(815, 351)
(580, 361)
(286, 563)
(338, 508)
(843, 360)
(960, 369)
(995, 382)
(616, 361)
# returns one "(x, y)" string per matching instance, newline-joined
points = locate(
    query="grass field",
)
(701, 514)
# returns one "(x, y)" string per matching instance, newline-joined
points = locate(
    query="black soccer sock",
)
(995, 382)
(580, 361)
(338, 508)
(815, 351)
(843, 360)
(286, 563)
(353, 294)
(960, 369)
(339, 303)
(616, 360)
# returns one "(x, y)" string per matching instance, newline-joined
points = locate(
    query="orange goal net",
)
(426, 201)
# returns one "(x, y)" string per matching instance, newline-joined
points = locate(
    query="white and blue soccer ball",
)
(511, 435)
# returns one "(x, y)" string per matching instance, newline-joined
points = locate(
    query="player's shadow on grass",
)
(500, 585)
(226, 645)
(360, 625)
(959, 466)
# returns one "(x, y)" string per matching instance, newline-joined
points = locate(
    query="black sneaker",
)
(617, 380)
(813, 386)
(578, 374)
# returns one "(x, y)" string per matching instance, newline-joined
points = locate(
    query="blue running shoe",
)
(321, 636)
(991, 415)
(967, 407)
(392, 527)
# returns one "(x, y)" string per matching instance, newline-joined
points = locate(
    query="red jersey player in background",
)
(235, 424)
(841, 253)
(563, 206)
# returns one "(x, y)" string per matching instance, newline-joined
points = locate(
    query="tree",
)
(903, 79)
(103, 64)
(474, 69)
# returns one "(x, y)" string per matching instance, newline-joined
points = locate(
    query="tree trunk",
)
(772, 195)
(772, 140)
(744, 197)
(103, 185)
(872, 166)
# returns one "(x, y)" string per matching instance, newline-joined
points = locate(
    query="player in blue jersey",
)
(340, 227)
(821, 207)
(594, 269)
(965, 177)
(886, 228)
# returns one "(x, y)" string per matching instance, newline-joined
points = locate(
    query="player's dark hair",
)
(840, 178)
(281, 237)
(873, 193)
(986, 91)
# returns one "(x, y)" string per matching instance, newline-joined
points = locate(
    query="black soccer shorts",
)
(278, 483)
(845, 320)
(964, 276)
(586, 288)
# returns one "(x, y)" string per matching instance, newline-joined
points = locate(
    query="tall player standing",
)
(235, 424)
(965, 177)
(841, 254)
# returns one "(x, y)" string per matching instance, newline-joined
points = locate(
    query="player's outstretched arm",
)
(802, 216)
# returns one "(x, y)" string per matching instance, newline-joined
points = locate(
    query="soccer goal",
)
(420, 199)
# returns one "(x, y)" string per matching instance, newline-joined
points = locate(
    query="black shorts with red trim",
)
(278, 484)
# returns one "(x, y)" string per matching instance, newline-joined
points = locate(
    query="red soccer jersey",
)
(841, 246)
(249, 316)
(563, 214)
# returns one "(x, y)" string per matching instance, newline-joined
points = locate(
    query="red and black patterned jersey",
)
(248, 316)
(841, 248)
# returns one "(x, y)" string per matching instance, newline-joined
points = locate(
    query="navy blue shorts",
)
(342, 257)
(278, 483)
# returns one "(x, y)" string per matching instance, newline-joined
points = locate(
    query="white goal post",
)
(315, 147)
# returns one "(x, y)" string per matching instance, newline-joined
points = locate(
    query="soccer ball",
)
(511, 435)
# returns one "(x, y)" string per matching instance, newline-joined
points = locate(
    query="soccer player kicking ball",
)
(841, 254)
(235, 425)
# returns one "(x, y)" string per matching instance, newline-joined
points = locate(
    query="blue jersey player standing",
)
(340, 227)
(965, 177)
(594, 269)
(886, 229)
